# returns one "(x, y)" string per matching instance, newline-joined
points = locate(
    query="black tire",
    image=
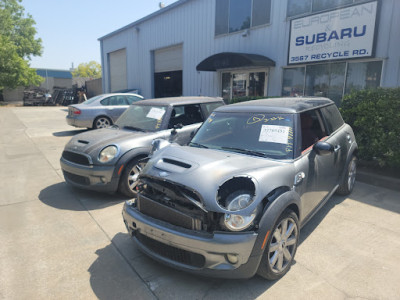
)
(349, 178)
(102, 122)
(280, 249)
(128, 180)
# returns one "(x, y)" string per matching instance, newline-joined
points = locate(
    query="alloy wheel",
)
(283, 245)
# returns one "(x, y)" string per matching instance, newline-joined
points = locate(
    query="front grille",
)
(167, 214)
(179, 255)
(76, 178)
(76, 158)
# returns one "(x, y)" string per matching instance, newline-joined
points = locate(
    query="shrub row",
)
(375, 118)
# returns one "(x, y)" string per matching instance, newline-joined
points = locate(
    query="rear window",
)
(332, 118)
(208, 108)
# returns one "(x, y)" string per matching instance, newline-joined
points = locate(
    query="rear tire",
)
(347, 185)
(102, 122)
(281, 247)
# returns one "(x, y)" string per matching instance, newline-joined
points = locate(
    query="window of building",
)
(363, 75)
(301, 7)
(331, 80)
(243, 84)
(236, 15)
(326, 80)
(293, 82)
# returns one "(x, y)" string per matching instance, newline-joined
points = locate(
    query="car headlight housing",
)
(108, 153)
(236, 222)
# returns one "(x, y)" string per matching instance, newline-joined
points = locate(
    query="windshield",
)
(265, 135)
(91, 100)
(142, 117)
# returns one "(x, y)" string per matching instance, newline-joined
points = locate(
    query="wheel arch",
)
(100, 116)
(287, 199)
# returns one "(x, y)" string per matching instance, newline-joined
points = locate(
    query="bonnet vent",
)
(83, 142)
(176, 163)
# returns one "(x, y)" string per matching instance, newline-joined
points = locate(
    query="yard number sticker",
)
(274, 134)
(155, 113)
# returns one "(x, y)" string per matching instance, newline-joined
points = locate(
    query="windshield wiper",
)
(197, 145)
(134, 128)
(245, 151)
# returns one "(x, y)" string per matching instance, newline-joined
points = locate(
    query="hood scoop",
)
(176, 163)
(83, 142)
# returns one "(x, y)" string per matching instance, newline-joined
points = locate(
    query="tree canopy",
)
(91, 69)
(17, 45)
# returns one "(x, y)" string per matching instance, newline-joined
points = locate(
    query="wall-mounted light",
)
(246, 33)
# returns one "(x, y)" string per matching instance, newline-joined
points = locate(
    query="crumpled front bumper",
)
(168, 244)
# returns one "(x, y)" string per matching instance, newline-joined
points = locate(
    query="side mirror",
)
(323, 148)
(158, 144)
(177, 126)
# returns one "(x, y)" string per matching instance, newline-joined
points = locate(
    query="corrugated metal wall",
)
(192, 25)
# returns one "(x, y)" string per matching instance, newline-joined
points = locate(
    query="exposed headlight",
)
(236, 222)
(107, 154)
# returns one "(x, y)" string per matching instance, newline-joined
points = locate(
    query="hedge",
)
(375, 118)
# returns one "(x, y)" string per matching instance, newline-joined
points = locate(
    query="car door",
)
(316, 173)
(115, 106)
(189, 118)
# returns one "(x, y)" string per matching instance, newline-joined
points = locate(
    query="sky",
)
(70, 29)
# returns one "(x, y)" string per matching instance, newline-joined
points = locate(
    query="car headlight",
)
(108, 153)
(235, 222)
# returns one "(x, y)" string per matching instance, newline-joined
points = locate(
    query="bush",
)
(375, 118)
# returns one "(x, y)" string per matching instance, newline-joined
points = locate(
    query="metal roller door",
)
(117, 63)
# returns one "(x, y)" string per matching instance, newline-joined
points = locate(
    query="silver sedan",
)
(100, 111)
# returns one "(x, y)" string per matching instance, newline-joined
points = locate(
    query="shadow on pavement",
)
(62, 196)
(111, 277)
(69, 132)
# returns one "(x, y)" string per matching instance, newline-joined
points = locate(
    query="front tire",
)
(347, 185)
(128, 181)
(102, 122)
(281, 247)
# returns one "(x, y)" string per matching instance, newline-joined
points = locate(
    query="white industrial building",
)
(235, 48)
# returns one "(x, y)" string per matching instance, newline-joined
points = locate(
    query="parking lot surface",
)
(64, 243)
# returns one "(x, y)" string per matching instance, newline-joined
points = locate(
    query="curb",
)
(379, 180)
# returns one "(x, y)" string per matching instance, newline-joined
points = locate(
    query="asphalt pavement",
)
(58, 242)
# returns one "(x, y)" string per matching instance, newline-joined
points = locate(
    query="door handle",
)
(337, 148)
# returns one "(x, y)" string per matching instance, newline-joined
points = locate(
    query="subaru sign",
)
(338, 34)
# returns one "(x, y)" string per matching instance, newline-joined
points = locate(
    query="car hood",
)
(205, 170)
(93, 140)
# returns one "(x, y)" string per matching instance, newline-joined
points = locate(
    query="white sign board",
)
(274, 134)
(338, 34)
(155, 113)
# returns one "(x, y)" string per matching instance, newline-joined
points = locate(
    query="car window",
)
(91, 100)
(312, 128)
(185, 115)
(142, 117)
(208, 108)
(332, 118)
(261, 134)
(114, 100)
(131, 99)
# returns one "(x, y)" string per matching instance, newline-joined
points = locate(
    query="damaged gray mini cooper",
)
(231, 203)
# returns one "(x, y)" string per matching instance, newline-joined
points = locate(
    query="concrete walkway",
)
(63, 243)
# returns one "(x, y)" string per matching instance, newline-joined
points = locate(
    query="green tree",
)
(91, 69)
(17, 45)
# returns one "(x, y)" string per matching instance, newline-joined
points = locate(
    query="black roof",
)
(178, 100)
(278, 105)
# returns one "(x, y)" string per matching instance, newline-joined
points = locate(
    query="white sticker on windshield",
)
(155, 113)
(274, 134)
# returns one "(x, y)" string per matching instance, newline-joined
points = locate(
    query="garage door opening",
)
(168, 84)
(168, 72)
